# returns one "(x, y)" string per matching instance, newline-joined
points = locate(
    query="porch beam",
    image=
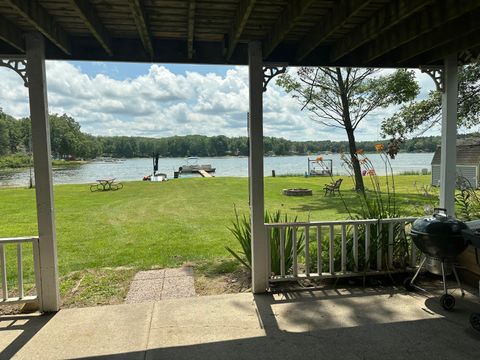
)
(244, 10)
(448, 155)
(37, 90)
(11, 34)
(39, 18)
(452, 31)
(139, 16)
(89, 17)
(424, 28)
(468, 41)
(387, 17)
(255, 169)
(285, 23)
(342, 11)
(191, 27)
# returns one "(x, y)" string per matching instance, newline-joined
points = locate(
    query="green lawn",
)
(165, 224)
(149, 224)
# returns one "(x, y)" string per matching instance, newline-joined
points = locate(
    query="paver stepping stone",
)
(154, 285)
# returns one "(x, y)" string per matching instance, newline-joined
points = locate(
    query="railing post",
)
(3, 272)
(255, 169)
(355, 247)
(20, 271)
(307, 251)
(319, 251)
(37, 89)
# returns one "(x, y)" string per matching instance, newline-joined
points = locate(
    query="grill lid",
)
(439, 224)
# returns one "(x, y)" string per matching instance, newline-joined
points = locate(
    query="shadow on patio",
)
(328, 324)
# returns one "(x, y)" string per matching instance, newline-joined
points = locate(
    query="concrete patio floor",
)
(322, 324)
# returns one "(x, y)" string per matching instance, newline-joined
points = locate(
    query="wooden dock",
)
(204, 173)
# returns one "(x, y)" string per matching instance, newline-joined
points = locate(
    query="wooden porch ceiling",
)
(377, 33)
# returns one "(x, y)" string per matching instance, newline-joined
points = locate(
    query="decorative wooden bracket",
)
(467, 57)
(19, 66)
(269, 72)
(437, 75)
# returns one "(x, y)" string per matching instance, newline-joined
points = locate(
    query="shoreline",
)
(54, 163)
(13, 186)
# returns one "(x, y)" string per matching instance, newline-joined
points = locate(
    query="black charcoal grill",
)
(441, 239)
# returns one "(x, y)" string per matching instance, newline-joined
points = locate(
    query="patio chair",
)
(330, 189)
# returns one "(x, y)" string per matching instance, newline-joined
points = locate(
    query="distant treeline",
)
(68, 141)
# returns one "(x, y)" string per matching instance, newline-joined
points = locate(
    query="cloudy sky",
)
(159, 100)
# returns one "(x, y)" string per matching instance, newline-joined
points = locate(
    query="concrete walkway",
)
(328, 324)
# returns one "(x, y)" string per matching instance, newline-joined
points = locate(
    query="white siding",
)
(467, 171)
(435, 175)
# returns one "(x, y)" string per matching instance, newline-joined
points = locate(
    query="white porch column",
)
(255, 169)
(449, 136)
(37, 89)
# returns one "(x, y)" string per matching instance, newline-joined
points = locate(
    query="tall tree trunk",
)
(357, 171)
(352, 146)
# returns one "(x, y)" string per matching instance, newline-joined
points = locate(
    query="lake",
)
(135, 169)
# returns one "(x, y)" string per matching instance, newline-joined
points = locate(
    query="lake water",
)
(135, 169)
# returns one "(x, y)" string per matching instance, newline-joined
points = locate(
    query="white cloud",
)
(162, 103)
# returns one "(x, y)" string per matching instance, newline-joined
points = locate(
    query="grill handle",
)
(440, 212)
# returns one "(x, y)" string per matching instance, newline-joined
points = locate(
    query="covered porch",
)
(267, 36)
(342, 323)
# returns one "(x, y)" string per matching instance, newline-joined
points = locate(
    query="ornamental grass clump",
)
(378, 201)
(242, 232)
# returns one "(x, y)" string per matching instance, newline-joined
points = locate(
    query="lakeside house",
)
(467, 166)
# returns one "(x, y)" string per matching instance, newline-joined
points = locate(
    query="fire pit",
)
(297, 192)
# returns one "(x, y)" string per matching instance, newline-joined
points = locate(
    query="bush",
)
(242, 232)
(15, 161)
(379, 203)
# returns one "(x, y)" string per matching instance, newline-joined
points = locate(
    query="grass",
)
(148, 224)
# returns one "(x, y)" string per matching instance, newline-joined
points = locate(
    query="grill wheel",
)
(447, 301)
(475, 321)
(407, 283)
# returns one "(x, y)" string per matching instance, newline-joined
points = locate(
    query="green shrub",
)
(15, 161)
(242, 232)
(378, 203)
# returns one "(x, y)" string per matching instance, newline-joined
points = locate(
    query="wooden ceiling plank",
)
(442, 39)
(39, 18)
(191, 27)
(90, 18)
(439, 36)
(413, 28)
(342, 11)
(387, 17)
(12, 35)
(244, 10)
(470, 41)
(287, 20)
(138, 12)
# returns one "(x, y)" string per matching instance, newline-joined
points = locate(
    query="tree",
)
(417, 117)
(65, 135)
(4, 140)
(342, 98)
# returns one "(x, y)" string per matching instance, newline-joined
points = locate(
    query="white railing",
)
(20, 297)
(343, 248)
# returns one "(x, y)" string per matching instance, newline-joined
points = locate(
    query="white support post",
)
(449, 136)
(37, 89)
(255, 169)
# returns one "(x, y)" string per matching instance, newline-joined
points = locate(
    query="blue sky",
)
(158, 100)
(122, 71)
